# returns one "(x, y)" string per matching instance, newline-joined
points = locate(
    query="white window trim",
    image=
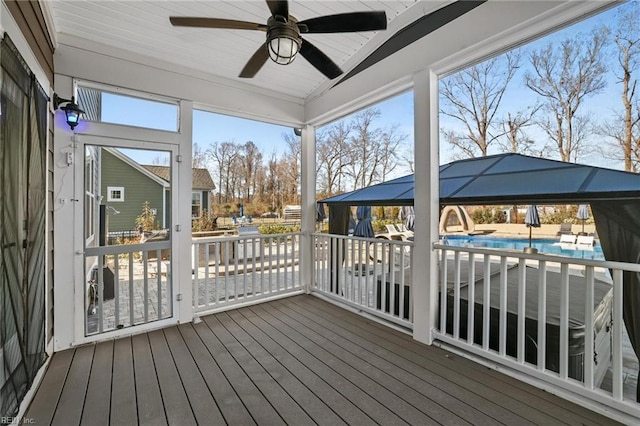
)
(110, 189)
(199, 194)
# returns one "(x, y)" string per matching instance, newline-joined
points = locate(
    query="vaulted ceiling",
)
(419, 34)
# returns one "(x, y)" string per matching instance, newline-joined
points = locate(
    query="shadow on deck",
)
(298, 360)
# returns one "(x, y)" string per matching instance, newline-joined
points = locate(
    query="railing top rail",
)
(351, 237)
(127, 248)
(204, 240)
(541, 256)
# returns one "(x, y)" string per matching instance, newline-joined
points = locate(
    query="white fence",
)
(555, 318)
(372, 275)
(240, 270)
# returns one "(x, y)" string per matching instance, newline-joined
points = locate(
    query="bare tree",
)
(372, 150)
(624, 129)
(564, 75)
(331, 146)
(224, 156)
(515, 139)
(472, 98)
(251, 161)
(199, 157)
(290, 168)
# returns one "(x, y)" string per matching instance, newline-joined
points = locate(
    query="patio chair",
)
(393, 233)
(585, 240)
(565, 228)
(566, 239)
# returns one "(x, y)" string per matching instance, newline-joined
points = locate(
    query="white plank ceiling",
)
(143, 28)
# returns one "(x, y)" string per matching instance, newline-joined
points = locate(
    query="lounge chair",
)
(566, 239)
(565, 228)
(585, 240)
(393, 233)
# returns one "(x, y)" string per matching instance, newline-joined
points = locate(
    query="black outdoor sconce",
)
(70, 108)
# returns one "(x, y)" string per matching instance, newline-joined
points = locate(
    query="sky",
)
(397, 111)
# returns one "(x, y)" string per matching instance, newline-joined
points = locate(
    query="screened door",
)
(127, 235)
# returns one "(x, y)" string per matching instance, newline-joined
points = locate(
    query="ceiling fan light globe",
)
(283, 50)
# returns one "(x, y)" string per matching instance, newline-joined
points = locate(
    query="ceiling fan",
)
(283, 35)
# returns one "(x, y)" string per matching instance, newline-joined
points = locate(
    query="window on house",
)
(115, 193)
(196, 204)
(90, 193)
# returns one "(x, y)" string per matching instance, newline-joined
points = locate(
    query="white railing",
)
(128, 284)
(239, 270)
(370, 274)
(555, 318)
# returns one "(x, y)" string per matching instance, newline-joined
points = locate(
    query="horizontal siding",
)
(30, 19)
(138, 188)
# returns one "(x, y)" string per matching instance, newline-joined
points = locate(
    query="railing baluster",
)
(207, 284)
(131, 313)
(443, 292)
(588, 328)
(616, 332)
(195, 253)
(159, 282)
(564, 321)
(486, 301)
(471, 298)
(522, 313)
(542, 315)
(456, 295)
(116, 287)
(145, 269)
(100, 294)
(503, 307)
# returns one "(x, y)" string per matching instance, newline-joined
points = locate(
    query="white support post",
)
(426, 203)
(308, 201)
(181, 248)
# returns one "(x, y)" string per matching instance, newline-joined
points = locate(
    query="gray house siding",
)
(138, 188)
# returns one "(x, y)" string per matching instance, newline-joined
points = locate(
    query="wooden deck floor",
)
(294, 361)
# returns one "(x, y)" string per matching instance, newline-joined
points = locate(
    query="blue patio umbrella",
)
(532, 219)
(241, 210)
(583, 214)
(363, 227)
(320, 212)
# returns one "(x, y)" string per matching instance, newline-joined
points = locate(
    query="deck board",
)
(98, 397)
(438, 395)
(123, 386)
(69, 411)
(51, 387)
(204, 407)
(298, 360)
(313, 406)
(148, 397)
(174, 397)
(497, 388)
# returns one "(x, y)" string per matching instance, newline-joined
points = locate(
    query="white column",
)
(68, 239)
(308, 200)
(426, 203)
(181, 206)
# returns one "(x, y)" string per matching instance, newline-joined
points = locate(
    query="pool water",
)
(544, 245)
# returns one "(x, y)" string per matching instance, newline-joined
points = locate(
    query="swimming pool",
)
(544, 245)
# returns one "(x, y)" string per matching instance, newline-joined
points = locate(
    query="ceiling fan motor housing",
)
(283, 39)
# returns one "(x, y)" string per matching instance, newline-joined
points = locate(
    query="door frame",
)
(79, 272)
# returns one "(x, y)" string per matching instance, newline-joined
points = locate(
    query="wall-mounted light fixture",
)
(70, 108)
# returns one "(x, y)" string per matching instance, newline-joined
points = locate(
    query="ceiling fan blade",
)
(279, 8)
(345, 23)
(255, 62)
(228, 24)
(319, 60)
